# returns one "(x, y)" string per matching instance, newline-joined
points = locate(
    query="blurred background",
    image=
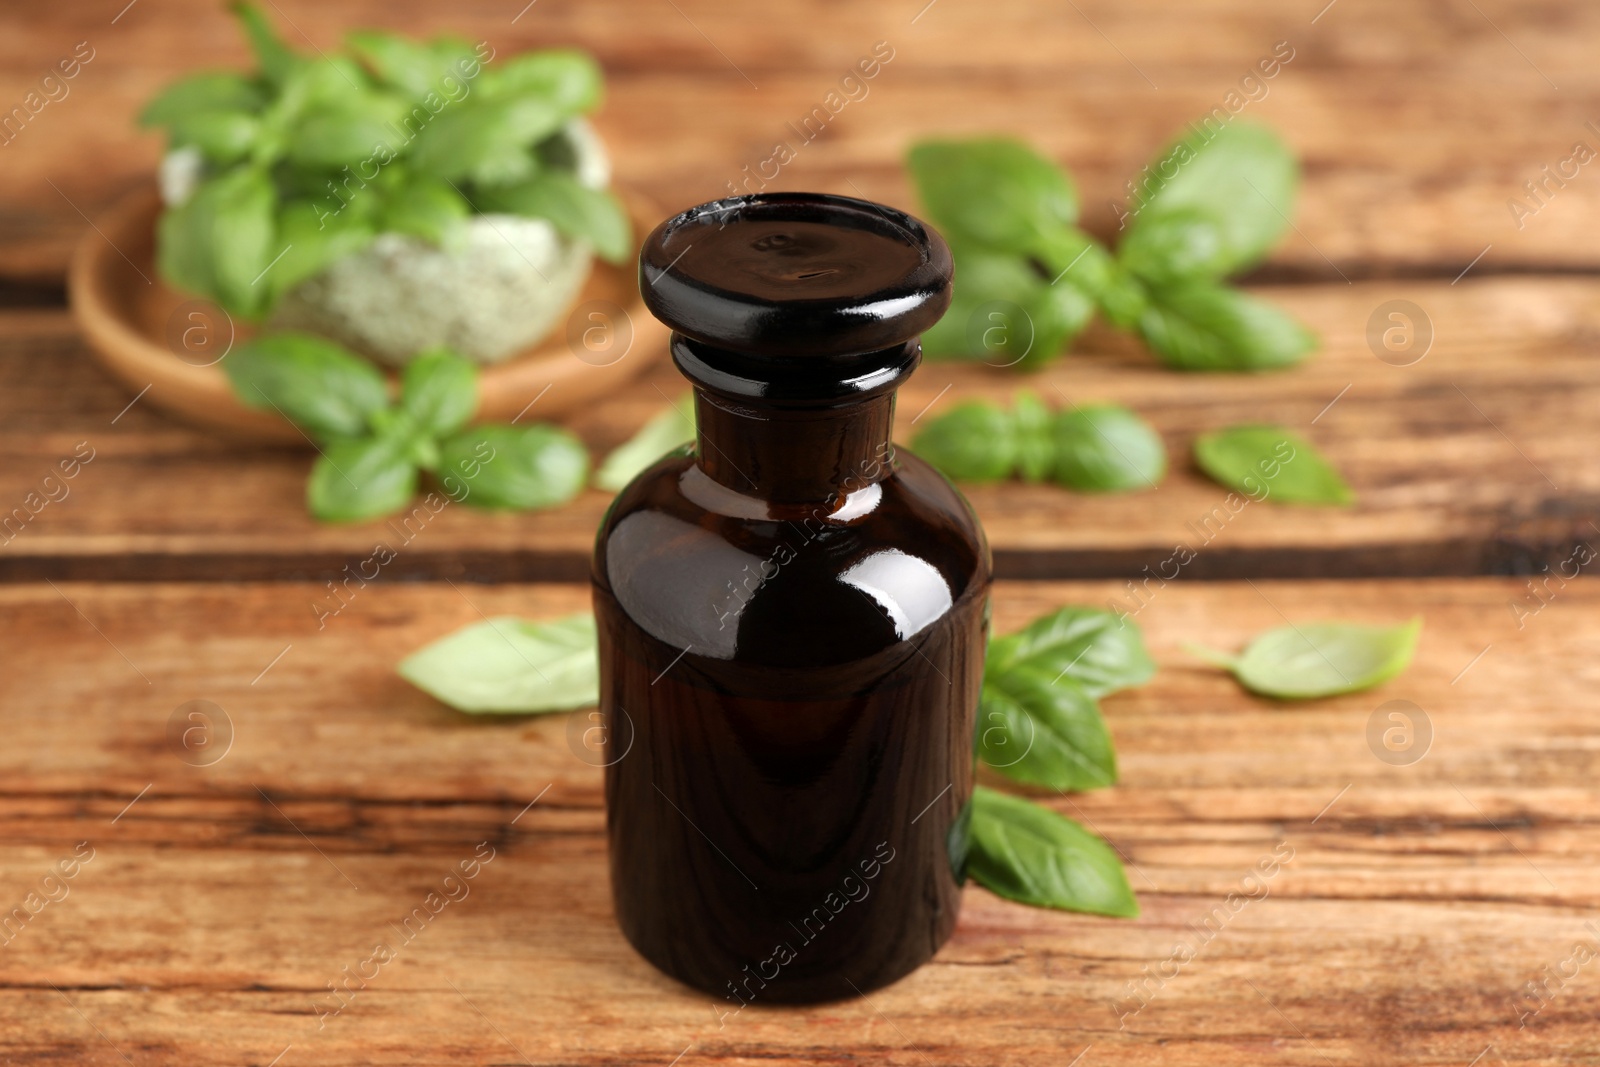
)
(1415, 122)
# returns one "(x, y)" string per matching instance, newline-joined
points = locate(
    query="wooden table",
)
(1422, 895)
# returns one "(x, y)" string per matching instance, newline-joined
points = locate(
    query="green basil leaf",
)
(667, 430)
(351, 131)
(974, 442)
(221, 136)
(1321, 659)
(208, 91)
(439, 390)
(1202, 326)
(566, 77)
(1038, 726)
(1058, 313)
(428, 208)
(1101, 651)
(1270, 463)
(584, 214)
(1103, 448)
(321, 81)
(314, 237)
(996, 192)
(512, 666)
(275, 57)
(1123, 299)
(1228, 199)
(183, 246)
(413, 69)
(969, 328)
(1073, 257)
(1067, 253)
(1185, 243)
(220, 240)
(516, 466)
(1030, 421)
(508, 164)
(326, 391)
(466, 135)
(1027, 853)
(243, 243)
(360, 478)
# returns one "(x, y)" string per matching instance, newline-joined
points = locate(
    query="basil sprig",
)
(1028, 280)
(371, 451)
(1038, 717)
(1091, 448)
(310, 157)
(1319, 659)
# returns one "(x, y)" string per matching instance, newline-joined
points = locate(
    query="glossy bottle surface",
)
(792, 623)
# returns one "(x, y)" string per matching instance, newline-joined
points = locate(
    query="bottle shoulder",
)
(692, 563)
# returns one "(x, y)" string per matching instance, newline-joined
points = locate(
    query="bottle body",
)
(789, 688)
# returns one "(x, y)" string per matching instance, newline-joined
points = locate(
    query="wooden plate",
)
(137, 327)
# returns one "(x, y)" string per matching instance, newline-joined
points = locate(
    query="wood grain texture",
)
(1478, 458)
(1418, 902)
(1417, 123)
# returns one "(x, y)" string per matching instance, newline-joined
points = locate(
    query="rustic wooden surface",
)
(1418, 902)
(1422, 898)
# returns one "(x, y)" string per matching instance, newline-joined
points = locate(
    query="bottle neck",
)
(794, 455)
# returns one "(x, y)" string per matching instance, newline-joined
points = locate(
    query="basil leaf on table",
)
(668, 429)
(1101, 447)
(1205, 326)
(439, 390)
(973, 442)
(1226, 205)
(1184, 244)
(1030, 421)
(1027, 853)
(1057, 312)
(1270, 463)
(1038, 726)
(593, 215)
(223, 90)
(315, 383)
(512, 666)
(996, 192)
(997, 335)
(1099, 650)
(517, 466)
(362, 478)
(1320, 659)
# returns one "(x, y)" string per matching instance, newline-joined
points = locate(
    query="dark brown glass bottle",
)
(792, 616)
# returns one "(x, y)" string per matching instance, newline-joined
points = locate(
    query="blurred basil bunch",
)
(372, 449)
(1028, 280)
(396, 151)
